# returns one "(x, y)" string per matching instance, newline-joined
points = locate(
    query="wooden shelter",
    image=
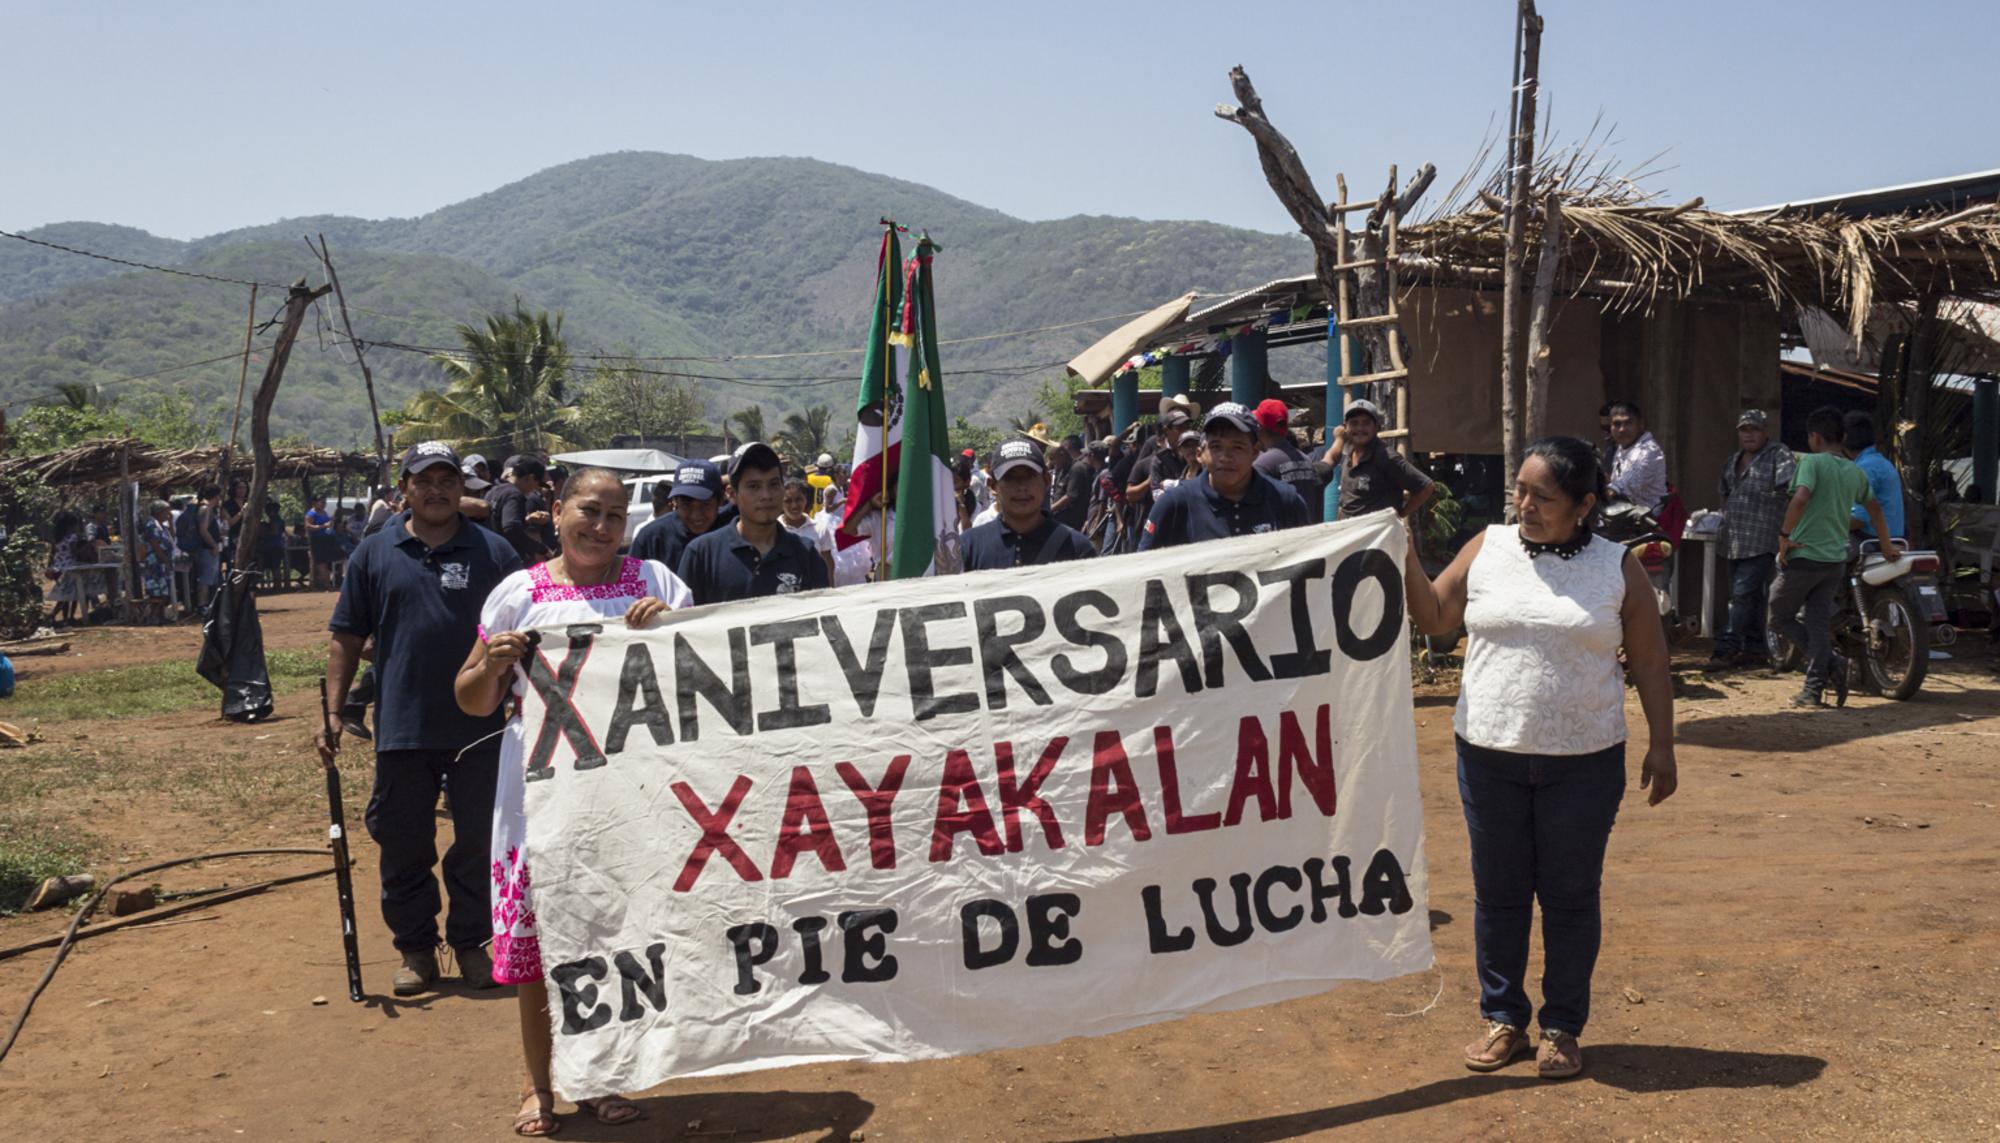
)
(105, 463)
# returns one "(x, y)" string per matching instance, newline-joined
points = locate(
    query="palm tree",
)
(749, 423)
(804, 434)
(507, 392)
(79, 395)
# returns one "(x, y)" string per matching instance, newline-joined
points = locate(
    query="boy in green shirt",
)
(1812, 553)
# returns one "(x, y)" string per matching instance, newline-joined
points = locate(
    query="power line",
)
(136, 265)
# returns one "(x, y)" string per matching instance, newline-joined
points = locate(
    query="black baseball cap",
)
(526, 466)
(428, 454)
(1175, 418)
(696, 480)
(755, 455)
(1009, 455)
(1232, 414)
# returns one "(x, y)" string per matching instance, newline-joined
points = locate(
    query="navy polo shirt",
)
(1193, 510)
(721, 567)
(422, 606)
(995, 545)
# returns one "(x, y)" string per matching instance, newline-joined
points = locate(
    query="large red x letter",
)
(714, 834)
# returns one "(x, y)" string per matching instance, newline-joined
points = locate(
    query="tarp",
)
(943, 815)
(621, 459)
(232, 651)
(1114, 349)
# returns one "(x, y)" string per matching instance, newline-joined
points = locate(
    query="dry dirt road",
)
(1804, 943)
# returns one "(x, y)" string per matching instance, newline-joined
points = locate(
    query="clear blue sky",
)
(191, 118)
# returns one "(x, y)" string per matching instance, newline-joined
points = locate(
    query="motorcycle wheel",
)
(1898, 669)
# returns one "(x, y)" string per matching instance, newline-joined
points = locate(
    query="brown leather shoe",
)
(1497, 1048)
(1561, 1056)
(418, 974)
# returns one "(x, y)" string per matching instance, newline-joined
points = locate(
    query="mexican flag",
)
(878, 435)
(926, 532)
(901, 413)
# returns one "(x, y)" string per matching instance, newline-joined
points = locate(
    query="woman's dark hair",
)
(1572, 464)
(1859, 429)
(65, 524)
(799, 482)
(1828, 422)
(586, 476)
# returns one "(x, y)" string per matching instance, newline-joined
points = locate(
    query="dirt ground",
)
(1801, 944)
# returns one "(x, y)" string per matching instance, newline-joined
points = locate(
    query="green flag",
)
(925, 539)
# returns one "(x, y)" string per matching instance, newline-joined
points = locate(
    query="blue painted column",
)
(1124, 400)
(1336, 404)
(1986, 438)
(1173, 376)
(1247, 368)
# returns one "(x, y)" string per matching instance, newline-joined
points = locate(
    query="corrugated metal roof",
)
(1954, 193)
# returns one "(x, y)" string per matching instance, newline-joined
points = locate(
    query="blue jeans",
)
(1749, 600)
(1539, 825)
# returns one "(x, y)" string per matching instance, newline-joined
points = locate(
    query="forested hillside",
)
(649, 254)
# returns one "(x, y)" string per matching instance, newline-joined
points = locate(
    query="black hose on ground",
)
(83, 914)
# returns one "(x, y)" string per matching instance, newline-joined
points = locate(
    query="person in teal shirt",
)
(1883, 479)
(1812, 553)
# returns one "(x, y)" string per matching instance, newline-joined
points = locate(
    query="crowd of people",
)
(462, 565)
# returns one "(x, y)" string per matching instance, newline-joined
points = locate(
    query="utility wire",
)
(138, 265)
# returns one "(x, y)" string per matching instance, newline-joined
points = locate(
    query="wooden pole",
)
(1520, 173)
(242, 382)
(361, 358)
(1541, 360)
(296, 303)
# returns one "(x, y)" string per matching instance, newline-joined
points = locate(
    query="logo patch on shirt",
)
(788, 582)
(454, 577)
(1149, 527)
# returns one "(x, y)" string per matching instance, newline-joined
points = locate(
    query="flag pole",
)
(888, 378)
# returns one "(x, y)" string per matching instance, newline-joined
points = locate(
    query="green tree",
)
(621, 398)
(979, 438)
(507, 392)
(48, 428)
(748, 423)
(78, 395)
(804, 434)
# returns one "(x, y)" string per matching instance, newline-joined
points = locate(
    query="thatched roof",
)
(1634, 252)
(96, 463)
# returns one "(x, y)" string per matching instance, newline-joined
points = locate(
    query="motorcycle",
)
(1884, 623)
(1632, 526)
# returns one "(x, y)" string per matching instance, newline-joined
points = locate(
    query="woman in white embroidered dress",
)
(588, 583)
(1541, 737)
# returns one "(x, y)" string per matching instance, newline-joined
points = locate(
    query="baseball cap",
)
(1271, 414)
(755, 455)
(1754, 418)
(1232, 414)
(1368, 407)
(696, 480)
(428, 454)
(825, 461)
(471, 463)
(525, 465)
(1175, 418)
(1013, 454)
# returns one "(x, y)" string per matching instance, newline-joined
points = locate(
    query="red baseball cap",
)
(1271, 414)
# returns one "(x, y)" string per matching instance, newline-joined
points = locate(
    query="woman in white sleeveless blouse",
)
(1541, 737)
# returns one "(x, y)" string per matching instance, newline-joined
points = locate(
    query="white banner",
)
(938, 816)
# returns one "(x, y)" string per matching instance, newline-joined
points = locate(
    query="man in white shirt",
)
(1639, 465)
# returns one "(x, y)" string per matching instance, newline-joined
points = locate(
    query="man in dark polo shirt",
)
(693, 498)
(1282, 461)
(1373, 476)
(1025, 534)
(755, 556)
(515, 513)
(1230, 498)
(1073, 480)
(416, 588)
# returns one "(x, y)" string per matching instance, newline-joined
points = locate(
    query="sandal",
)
(1497, 1048)
(1561, 1056)
(611, 1110)
(538, 1115)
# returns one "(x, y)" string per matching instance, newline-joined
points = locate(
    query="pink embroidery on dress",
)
(629, 585)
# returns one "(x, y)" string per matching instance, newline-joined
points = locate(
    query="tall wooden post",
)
(1541, 357)
(361, 357)
(296, 303)
(1520, 176)
(242, 384)
(1986, 438)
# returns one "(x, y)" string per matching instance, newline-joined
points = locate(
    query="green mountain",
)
(650, 254)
